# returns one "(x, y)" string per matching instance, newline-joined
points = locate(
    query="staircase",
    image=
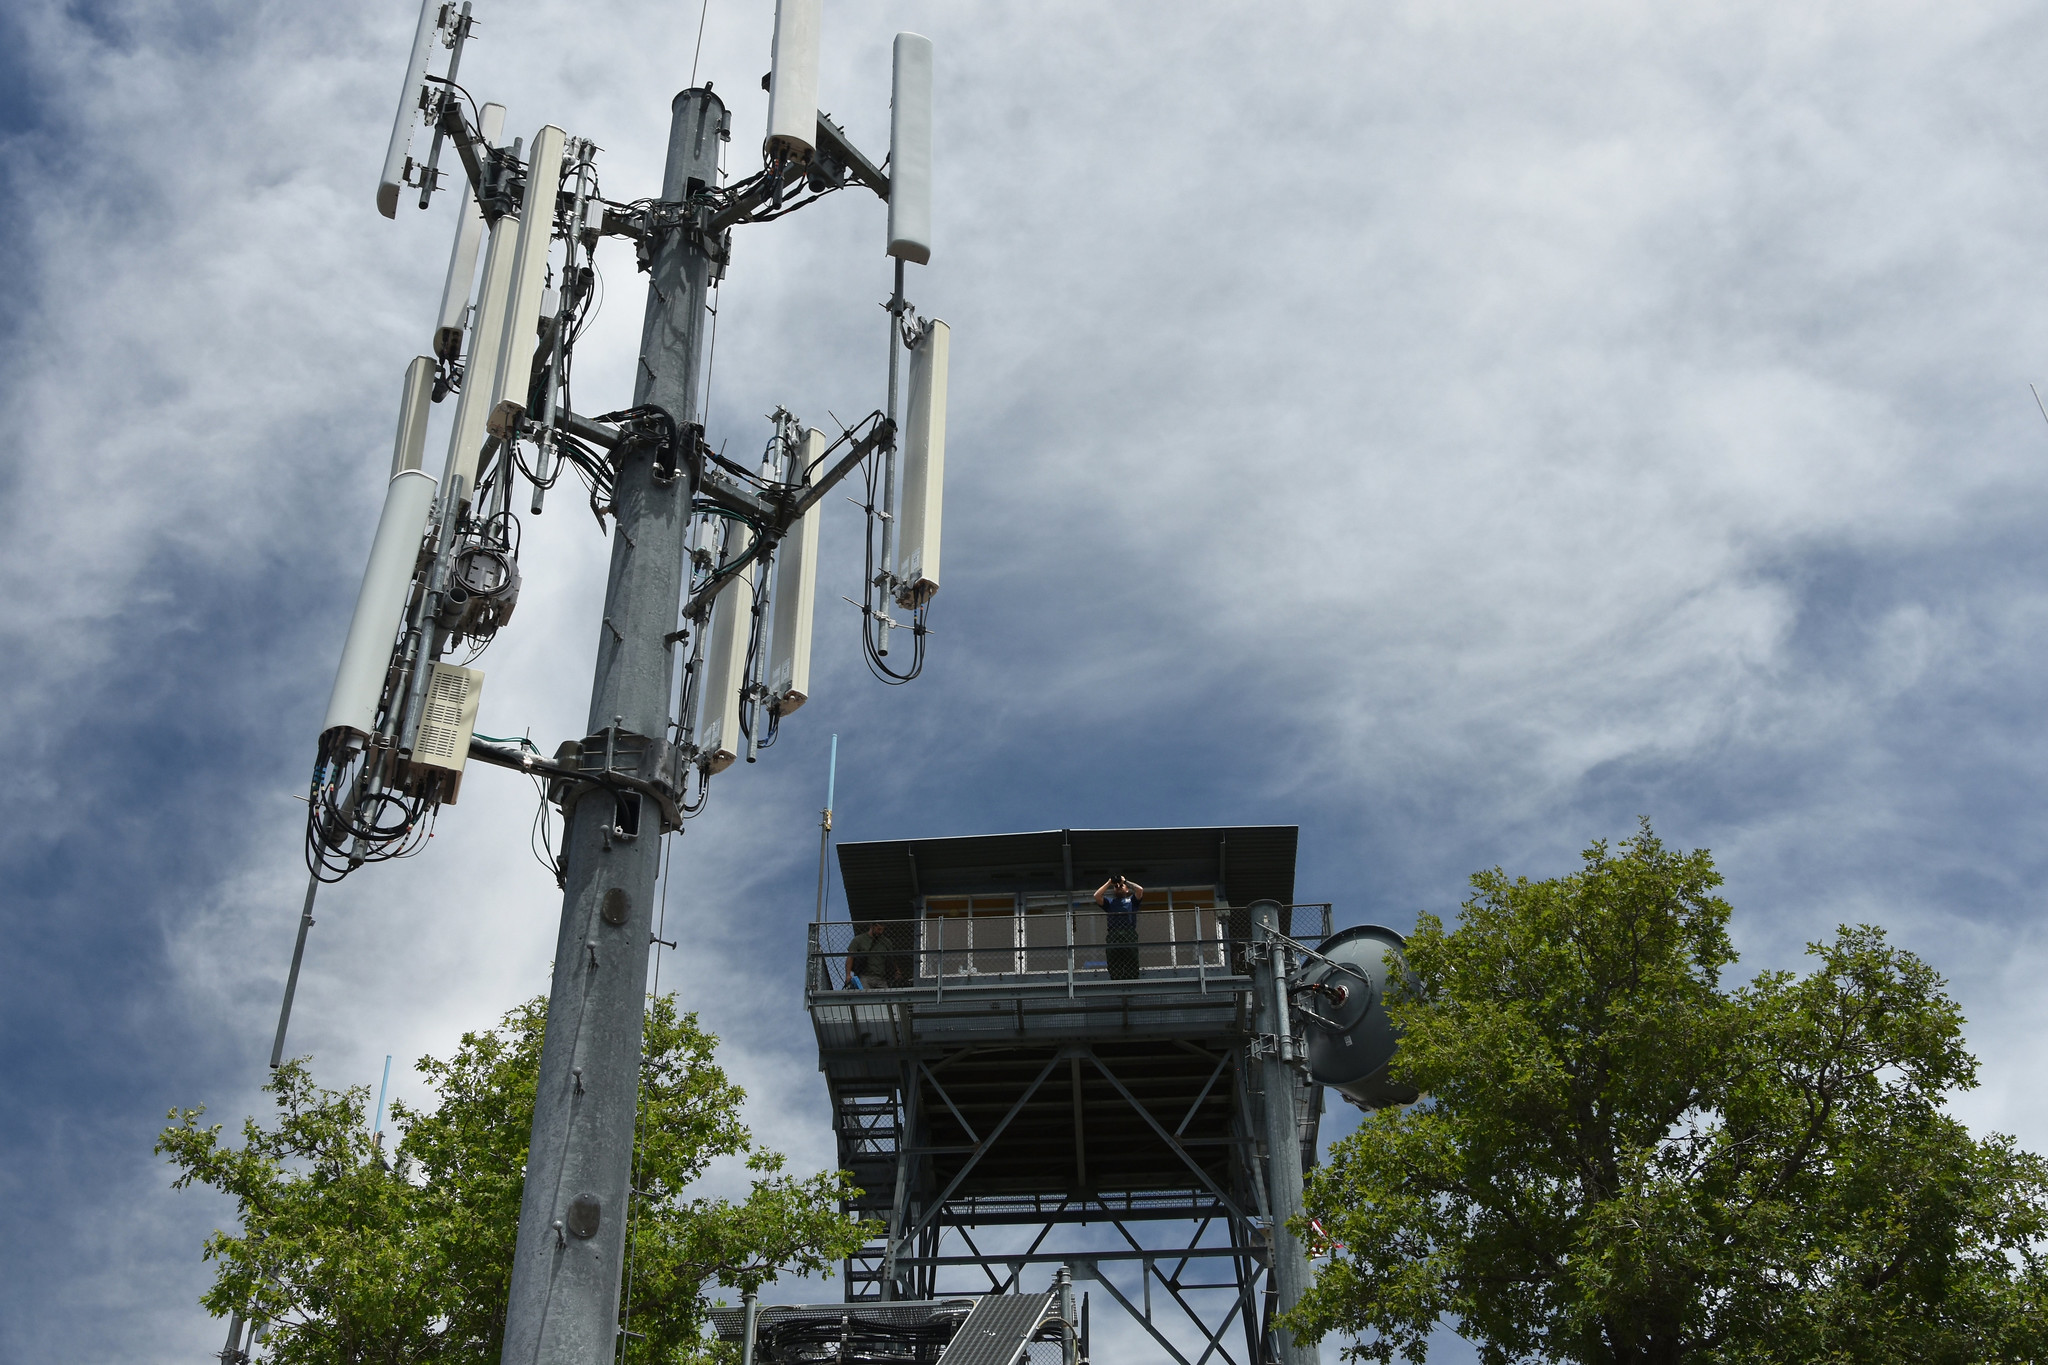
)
(867, 1118)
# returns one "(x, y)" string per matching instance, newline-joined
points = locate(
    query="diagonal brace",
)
(1166, 1137)
(980, 1150)
(972, 1136)
(1138, 1316)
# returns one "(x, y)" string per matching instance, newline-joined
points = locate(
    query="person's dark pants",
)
(1123, 953)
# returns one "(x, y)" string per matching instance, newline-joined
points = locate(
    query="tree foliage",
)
(353, 1254)
(1620, 1161)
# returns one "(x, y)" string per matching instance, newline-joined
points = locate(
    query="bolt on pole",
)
(1289, 1265)
(566, 1272)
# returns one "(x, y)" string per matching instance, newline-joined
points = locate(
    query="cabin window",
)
(970, 935)
(993, 935)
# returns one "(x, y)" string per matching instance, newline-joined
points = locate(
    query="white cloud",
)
(1455, 428)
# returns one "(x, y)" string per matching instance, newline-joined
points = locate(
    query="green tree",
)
(353, 1254)
(1618, 1160)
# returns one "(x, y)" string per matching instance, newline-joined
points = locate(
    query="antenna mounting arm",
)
(881, 436)
(468, 143)
(833, 145)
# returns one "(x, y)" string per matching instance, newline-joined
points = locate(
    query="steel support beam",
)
(564, 1300)
(1287, 1267)
(1058, 1257)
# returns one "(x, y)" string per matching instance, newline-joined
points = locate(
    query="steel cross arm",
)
(584, 429)
(1307, 951)
(524, 762)
(717, 483)
(883, 433)
(1166, 1137)
(883, 437)
(529, 764)
(466, 141)
(739, 210)
(981, 1150)
(832, 141)
(721, 487)
(834, 145)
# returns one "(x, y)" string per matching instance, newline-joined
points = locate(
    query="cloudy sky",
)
(1456, 430)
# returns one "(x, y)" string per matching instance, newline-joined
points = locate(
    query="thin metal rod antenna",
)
(2037, 401)
(429, 175)
(377, 1132)
(702, 13)
(825, 825)
(888, 508)
(291, 981)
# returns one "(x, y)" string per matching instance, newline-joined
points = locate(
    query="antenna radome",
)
(910, 150)
(486, 338)
(398, 153)
(796, 594)
(366, 654)
(793, 81)
(529, 266)
(469, 235)
(924, 466)
(411, 445)
(726, 672)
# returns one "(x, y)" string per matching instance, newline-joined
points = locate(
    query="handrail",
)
(941, 954)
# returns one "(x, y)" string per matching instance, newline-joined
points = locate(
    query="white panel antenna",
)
(486, 336)
(529, 268)
(793, 80)
(399, 152)
(795, 599)
(413, 406)
(910, 150)
(924, 466)
(469, 235)
(380, 606)
(732, 615)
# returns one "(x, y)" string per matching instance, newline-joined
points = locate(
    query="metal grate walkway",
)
(999, 1330)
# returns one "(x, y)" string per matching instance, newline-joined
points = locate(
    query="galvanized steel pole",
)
(1289, 1263)
(564, 1307)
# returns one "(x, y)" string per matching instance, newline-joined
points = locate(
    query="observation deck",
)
(1003, 1056)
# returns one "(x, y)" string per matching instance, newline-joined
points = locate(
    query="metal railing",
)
(1039, 947)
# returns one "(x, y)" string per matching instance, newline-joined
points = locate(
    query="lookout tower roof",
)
(1248, 862)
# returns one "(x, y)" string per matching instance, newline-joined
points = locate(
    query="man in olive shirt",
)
(874, 962)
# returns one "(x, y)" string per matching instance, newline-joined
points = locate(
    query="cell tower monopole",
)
(704, 636)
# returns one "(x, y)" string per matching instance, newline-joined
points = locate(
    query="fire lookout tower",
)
(1017, 1082)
